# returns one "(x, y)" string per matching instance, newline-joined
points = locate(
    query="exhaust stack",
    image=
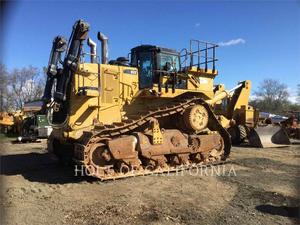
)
(93, 50)
(104, 47)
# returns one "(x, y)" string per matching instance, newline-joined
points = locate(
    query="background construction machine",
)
(11, 122)
(292, 125)
(6, 122)
(28, 124)
(34, 124)
(242, 120)
(151, 114)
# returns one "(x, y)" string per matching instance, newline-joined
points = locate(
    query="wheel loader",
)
(120, 118)
(242, 120)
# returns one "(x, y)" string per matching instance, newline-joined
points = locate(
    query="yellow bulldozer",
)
(159, 111)
(11, 122)
(6, 122)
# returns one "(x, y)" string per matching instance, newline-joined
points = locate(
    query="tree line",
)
(27, 84)
(273, 96)
(19, 86)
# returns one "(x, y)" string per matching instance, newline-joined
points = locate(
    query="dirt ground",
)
(255, 187)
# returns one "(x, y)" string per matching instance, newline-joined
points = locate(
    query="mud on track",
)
(265, 190)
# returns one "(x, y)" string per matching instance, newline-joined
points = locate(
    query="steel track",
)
(102, 133)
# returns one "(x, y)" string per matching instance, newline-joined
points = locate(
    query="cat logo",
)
(129, 71)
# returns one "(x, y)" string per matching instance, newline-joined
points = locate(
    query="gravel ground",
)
(255, 187)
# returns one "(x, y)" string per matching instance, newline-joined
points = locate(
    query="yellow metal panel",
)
(86, 76)
(109, 114)
(84, 109)
(81, 114)
(128, 83)
(243, 99)
(110, 79)
(200, 71)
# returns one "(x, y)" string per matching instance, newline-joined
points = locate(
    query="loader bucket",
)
(268, 136)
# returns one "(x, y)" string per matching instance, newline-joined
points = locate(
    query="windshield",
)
(168, 62)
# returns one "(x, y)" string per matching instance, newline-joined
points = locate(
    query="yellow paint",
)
(100, 94)
(241, 112)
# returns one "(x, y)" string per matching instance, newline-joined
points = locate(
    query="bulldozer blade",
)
(268, 136)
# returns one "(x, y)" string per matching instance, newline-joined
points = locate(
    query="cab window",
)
(168, 62)
(146, 69)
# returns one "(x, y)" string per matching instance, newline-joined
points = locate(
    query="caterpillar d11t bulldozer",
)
(123, 118)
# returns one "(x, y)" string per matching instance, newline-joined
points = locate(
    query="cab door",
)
(145, 65)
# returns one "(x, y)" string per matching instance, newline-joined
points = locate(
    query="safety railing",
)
(200, 54)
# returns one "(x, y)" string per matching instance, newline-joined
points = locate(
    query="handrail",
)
(200, 53)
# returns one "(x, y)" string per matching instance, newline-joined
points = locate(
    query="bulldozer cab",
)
(153, 62)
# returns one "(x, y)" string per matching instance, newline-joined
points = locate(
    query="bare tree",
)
(4, 104)
(25, 85)
(271, 96)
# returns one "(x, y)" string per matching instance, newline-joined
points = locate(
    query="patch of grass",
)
(4, 137)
